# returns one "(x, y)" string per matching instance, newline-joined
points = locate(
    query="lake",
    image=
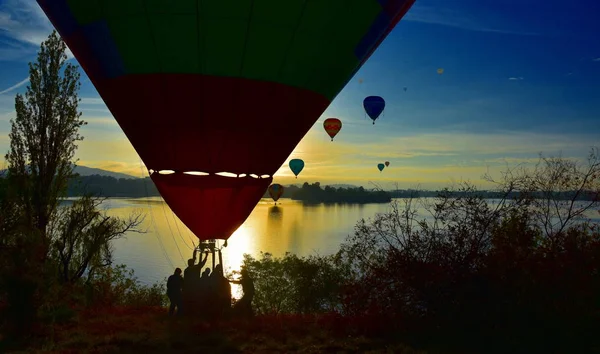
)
(288, 227)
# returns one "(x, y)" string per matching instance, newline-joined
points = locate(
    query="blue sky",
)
(520, 77)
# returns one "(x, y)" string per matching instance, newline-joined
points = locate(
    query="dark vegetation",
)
(106, 186)
(521, 275)
(313, 193)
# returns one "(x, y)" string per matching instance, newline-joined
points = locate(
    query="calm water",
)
(288, 227)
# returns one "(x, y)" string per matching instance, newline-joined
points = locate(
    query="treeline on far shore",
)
(106, 186)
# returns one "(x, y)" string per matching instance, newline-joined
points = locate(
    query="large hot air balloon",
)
(205, 86)
(387, 163)
(296, 165)
(332, 126)
(380, 167)
(275, 191)
(374, 105)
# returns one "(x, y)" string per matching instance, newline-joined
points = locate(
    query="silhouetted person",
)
(243, 307)
(204, 292)
(192, 280)
(221, 292)
(174, 288)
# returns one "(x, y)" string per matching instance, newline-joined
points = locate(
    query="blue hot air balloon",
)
(380, 167)
(296, 165)
(374, 105)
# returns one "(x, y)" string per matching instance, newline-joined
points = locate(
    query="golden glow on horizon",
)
(429, 160)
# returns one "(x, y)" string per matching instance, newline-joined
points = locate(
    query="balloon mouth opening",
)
(201, 174)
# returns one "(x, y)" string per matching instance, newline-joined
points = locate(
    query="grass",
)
(150, 330)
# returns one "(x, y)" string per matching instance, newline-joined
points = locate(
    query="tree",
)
(44, 135)
(559, 191)
(42, 241)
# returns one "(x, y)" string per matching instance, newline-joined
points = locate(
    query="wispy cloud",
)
(416, 159)
(25, 22)
(515, 78)
(92, 100)
(104, 121)
(15, 86)
(12, 50)
(596, 59)
(452, 18)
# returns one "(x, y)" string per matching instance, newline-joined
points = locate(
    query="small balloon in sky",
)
(406, 88)
(360, 81)
(275, 191)
(380, 167)
(296, 165)
(332, 126)
(374, 106)
(387, 163)
(440, 71)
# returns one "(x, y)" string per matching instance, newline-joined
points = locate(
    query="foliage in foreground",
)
(518, 275)
(47, 250)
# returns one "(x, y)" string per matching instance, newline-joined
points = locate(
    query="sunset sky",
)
(520, 77)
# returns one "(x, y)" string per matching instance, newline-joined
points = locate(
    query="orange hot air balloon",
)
(387, 163)
(332, 126)
(276, 191)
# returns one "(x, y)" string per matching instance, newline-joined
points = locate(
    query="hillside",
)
(85, 171)
(90, 171)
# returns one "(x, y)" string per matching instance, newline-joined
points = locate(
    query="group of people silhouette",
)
(207, 295)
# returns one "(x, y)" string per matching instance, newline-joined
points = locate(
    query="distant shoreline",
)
(110, 187)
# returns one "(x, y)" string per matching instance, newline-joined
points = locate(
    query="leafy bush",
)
(293, 284)
(118, 286)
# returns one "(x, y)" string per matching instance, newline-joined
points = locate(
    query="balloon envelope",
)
(275, 191)
(387, 163)
(374, 105)
(296, 165)
(203, 86)
(332, 126)
(380, 167)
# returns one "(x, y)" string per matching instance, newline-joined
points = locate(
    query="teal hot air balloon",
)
(296, 165)
(220, 76)
(380, 167)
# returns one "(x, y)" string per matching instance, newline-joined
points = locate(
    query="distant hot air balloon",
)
(374, 105)
(387, 163)
(406, 88)
(440, 71)
(380, 167)
(332, 126)
(360, 81)
(276, 191)
(296, 165)
(189, 83)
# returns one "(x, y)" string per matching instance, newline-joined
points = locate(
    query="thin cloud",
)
(596, 59)
(451, 18)
(92, 100)
(514, 78)
(15, 86)
(25, 22)
(100, 121)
